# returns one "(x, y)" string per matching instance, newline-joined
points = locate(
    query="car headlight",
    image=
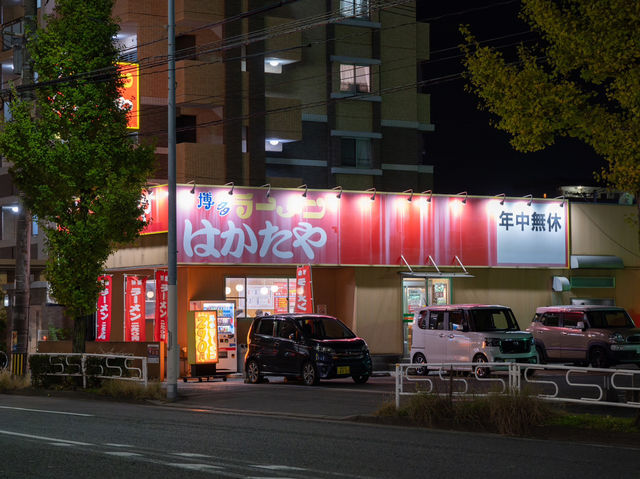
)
(492, 342)
(324, 349)
(616, 338)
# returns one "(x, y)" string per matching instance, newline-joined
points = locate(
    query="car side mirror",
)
(292, 336)
(581, 326)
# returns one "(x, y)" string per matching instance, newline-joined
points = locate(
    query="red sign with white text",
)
(134, 308)
(103, 318)
(280, 226)
(304, 291)
(162, 292)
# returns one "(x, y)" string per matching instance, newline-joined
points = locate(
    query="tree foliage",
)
(72, 157)
(582, 80)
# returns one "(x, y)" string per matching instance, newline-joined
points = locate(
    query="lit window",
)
(355, 152)
(355, 78)
(357, 8)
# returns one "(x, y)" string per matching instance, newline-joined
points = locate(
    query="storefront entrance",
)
(416, 294)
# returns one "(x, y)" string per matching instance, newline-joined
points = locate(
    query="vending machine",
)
(227, 342)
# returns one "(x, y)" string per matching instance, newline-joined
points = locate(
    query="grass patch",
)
(600, 423)
(8, 382)
(516, 414)
(131, 390)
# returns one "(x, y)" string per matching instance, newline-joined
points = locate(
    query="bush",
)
(514, 414)
(12, 383)
(119, 389)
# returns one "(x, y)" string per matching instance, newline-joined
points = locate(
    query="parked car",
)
(309, 346)
(465, 333)
(598, 335)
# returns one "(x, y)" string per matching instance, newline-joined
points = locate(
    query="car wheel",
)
(360, 378)
(310, 374)
(419, 358)
(252, 372)
(542, 357)
(598, 358)
(480, 372)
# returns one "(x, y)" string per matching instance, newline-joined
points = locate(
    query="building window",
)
(355, 152)
(355, 78)
(261, 295)
(354, 8)
(186, 129)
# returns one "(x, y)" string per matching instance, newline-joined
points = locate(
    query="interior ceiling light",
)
(274, 142)
(274, 62)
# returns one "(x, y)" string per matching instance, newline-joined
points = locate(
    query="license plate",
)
(343, 369)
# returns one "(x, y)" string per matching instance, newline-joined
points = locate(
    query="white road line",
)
(111, 444)
(188, 454)
(122, 454)
(194, 467)
(47, 411)
(45, 438)
(276, 467)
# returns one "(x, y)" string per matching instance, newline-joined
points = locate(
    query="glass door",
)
(414, 298)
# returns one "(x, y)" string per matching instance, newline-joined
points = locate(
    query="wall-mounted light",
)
(410, 191)
(268, 187)
(373, 196)
(430, 195)
(561, 197)
(274, 62)
(339, 190)
(231, 185)
(193, 189)
(502, 196)
(464, 201)
(304, 195)
(274, 142)
(530, 199)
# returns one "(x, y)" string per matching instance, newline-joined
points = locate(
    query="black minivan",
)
(309, 346)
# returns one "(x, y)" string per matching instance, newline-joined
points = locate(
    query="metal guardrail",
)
(66, 364)
(620, 387)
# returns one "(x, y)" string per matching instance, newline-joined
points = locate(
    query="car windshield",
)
(324, 328)
(615, 318)
(493, 319)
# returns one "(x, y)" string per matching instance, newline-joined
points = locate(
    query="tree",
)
(80, 171)
(582, 80)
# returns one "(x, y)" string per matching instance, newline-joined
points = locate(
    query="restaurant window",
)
(355, 152)
(357, 8)
(261, 295)
(355, 78)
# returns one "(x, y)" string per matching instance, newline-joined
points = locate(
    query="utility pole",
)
(173, 356)
(22, 291)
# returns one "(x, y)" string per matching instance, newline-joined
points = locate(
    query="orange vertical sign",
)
(129, 99)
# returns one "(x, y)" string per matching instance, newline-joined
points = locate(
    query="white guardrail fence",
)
(105, 366)
(551, 382)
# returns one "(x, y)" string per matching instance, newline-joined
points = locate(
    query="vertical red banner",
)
(304, 292)
(162, 292)
(103, 317)
(134, 308)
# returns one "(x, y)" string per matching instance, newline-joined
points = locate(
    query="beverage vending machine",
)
(227, 342)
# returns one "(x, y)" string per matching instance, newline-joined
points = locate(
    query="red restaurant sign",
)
(283, 227)
(134, 304)
(304, 291)
(162, 292)
(103, 320)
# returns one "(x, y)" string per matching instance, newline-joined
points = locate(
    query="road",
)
(59, 437)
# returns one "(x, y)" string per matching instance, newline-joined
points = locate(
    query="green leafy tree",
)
(72, 157)
(582, 80)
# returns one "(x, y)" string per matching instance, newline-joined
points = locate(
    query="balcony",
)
(202, 162)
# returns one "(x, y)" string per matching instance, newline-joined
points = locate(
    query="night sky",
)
(467, 153)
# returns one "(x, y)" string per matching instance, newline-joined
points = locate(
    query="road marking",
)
(111, 444)
(47, 411)
(122, 454)
(65, 444)
(188, 454)
(276, 467)
(194, 467)
(45, 438)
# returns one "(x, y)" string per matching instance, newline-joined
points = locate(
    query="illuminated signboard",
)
(129, 99)
(358, 228)
(205, 338)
